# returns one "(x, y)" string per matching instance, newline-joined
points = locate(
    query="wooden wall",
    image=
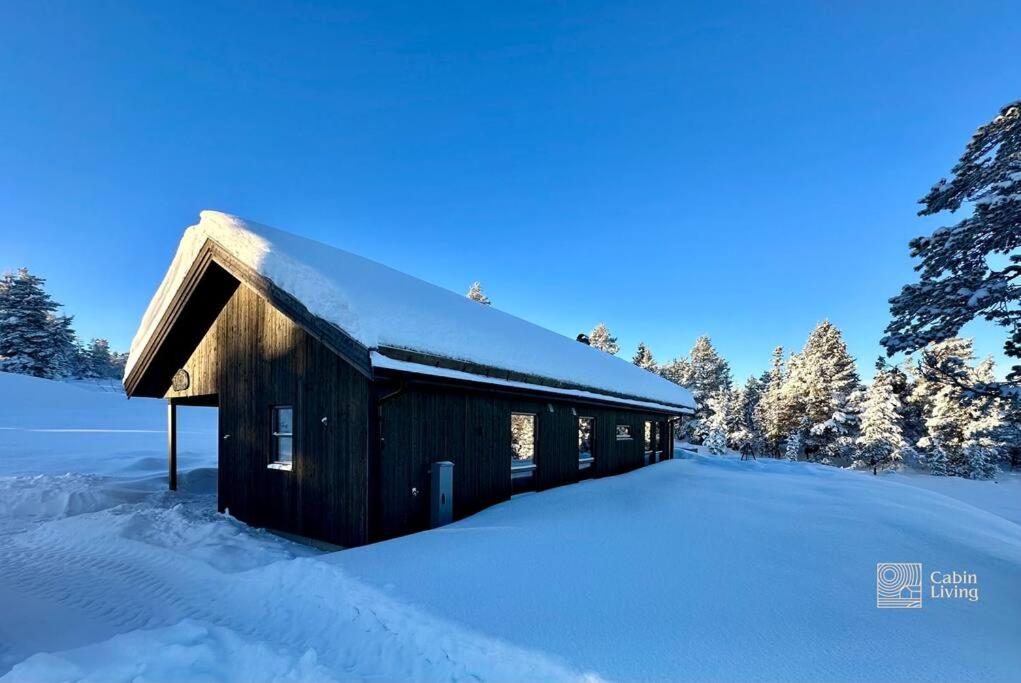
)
(254, 357)
(422, 425)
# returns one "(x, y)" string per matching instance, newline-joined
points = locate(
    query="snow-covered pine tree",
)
(956, 418)
(972, 269)
(601, 338)
(746, 408)
(822, 383)
(709, 373)
(881, 442)
(716, 442)
(34, 340)
(97, 360)
(119, 361)
(66, 361)
(775, 414)
(677, 371)
(643, 358)
(792, 449)
(935, 458)
(475, 293)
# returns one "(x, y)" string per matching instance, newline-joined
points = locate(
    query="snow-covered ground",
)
(702, 568)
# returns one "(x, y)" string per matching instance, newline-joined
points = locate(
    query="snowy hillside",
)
(697, 569)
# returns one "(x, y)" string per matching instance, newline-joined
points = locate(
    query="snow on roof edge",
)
(385, 362)
(379, 306)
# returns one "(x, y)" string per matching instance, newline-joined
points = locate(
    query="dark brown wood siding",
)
(422, 424)
(253, 358)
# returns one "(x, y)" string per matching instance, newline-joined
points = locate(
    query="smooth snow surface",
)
(380, 306)
(702, 568)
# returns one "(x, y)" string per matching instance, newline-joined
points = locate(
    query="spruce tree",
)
(34, 340)
(881, 442)
(676, 371)
(643, 358)
(475, 294)
(972, 269)
(98, 362)
(601, 338)
(708, 372)
(716, 442)
(774, 414)
(821, 384)
(966, 427)
(792, 448)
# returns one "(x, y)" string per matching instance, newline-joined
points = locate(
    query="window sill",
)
(285, 466)
(521, 471)
(585, 463)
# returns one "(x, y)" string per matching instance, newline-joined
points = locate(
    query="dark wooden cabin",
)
(332, 434)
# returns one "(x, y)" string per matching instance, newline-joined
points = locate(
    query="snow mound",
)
(381, 307)
(194, 651)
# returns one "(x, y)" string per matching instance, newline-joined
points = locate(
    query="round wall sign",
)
(181, 380)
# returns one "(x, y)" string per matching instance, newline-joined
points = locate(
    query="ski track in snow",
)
(701, 568)
(87, 578)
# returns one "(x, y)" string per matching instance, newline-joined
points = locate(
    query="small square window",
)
(283, 436)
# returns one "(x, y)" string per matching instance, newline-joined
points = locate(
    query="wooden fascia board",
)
(330, 335)
(422, 358)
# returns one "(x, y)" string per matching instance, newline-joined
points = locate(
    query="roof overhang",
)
(211, 280)
(384, 365)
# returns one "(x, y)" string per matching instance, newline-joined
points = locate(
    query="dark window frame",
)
(523, 468)
(277, 438)
(586, 462)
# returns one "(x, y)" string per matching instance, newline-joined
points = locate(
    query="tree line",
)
(35, 339)
(941, 408)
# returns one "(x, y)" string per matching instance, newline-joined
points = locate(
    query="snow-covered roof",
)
(381, 307)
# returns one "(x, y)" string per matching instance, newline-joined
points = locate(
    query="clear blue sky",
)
(672, 169)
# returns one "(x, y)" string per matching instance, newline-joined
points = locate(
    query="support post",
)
(172, 443)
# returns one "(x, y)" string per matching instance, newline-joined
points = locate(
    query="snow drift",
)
(698, 569)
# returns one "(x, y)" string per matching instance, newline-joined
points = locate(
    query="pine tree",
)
(936, 459)
(98, 362)
(746, 432)
(34, 340)
(966, 427)
(969, 270)
(643, 358)
(677, 370)
(475, 294)
(708, 373)
(792, 449)
(821, 384)
(774, 414)
(881, 442)
(716, 442)
(600, 338)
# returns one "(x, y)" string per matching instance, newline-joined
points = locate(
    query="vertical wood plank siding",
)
(422, 425)
(254, 357)
(362, 451)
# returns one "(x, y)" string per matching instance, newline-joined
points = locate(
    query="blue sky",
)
(672, 169)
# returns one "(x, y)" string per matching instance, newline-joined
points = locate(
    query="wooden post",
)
(172, 443)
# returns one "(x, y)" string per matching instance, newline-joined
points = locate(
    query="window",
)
(522, 445)
(650, 436)
(283, 437)
(651, 442)
(585, 458)
(624, 433)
